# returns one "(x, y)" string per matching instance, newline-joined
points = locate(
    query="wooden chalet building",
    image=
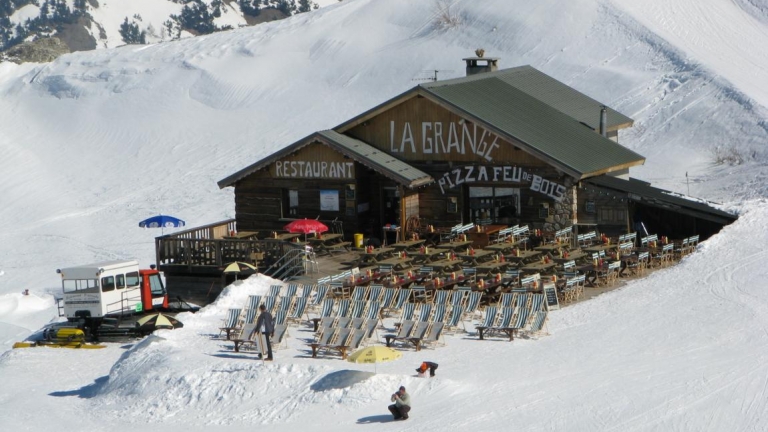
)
(497, 147)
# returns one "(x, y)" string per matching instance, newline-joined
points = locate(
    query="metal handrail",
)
(292, 264)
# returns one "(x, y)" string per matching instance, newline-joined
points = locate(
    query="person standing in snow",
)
(402, 404)
(265, 325)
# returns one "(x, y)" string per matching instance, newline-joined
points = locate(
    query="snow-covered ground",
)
(97, 141)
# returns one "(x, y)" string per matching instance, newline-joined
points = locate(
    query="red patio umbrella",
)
(306, 226)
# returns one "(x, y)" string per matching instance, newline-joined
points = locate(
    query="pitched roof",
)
(355, 149)
(553, 122)
(643, 192)
(552, 92)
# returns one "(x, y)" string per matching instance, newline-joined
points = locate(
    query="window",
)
(120, 281)
(132, 279)
(494, 204)
(107, 283)
(80, 285)
(290, 203)
(156, 285)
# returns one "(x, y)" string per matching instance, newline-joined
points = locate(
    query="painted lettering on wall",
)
(497, 174)
(449, 138)
(314, 169)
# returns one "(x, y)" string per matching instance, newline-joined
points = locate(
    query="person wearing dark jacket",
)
(421, 370)
(401, 405)
(265, 325)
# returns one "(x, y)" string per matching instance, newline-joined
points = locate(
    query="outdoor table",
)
(398, 264)
(572, 256)
(327, 243)
(445, 266)
(598, 248)
(286, 236)
(591, 272)
(478, 256)
(407, 245)
(501, 248)
(481, 234)
(426, 257)
(490, 267)
(627, 261)
(538, 267)
(455, 246)
(241, 235)
(523, 257)
(548, 248)
(373, 257)
(385, 230)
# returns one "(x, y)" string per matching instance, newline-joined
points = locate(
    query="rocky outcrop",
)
(42, 50)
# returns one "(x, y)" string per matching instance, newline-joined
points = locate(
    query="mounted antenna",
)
(433, 72)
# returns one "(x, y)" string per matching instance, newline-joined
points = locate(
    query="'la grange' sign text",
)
(506, 174)
(439, 138)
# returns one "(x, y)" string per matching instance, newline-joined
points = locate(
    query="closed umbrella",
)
(374, 354)
(152, 322)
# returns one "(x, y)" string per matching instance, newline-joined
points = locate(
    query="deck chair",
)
(432, 337)
(490, 317)
(307, 290)
(610, 275)
(415, 337)
(253, 302)
(343, 308)
(472, 305)
(425, 312)
(246, 336)
(291, 290)
(537, 302)
(274, 290)
(439, 312)
(278, 337)
(407, 312)
(406, 327)
(538, 322)
(249, 316)
(299, 306)
(231, 322)
(507, 299)
(353, 342)
(269, 302)
(441, 297)
(317, 300)
(371, 327)
(358, 308)
(375, 293)
(281, 317)
(403, 295)
(500, 325)
(454, 318)
(343, 322)
(357, 323)
(459, 297)
(372, 311)
(520, 322)
(388, 299)
(284, 303)
(337, 338)
(530, 282)
(359, 293)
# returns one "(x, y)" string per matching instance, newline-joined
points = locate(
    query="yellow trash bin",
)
(358, 240)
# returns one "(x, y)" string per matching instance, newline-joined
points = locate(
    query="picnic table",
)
(481, 234)
(538, 267)
(445, 266)
(454, 246)
(551, 248)
(478, 256)
(329, 243)
(572, 256)
(426, 257)
(597, 248)
(241, 235)
(501, 248)
(407, 245)
(523, 256)
(398, 264)
(287, 236)
(376, 255)
(492, 267)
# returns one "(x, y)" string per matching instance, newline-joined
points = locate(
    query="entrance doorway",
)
(390, 206)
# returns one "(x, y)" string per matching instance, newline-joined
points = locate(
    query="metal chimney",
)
(481, 64)
(604, 121)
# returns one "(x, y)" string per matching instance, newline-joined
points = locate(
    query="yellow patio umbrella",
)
(374, 354)
(238, 267)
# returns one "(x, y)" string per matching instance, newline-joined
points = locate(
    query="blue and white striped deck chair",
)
(325, 323)
(319, 296)
(270, 302)
(327, 309)
(408, 310)
(458, 297)
(519, 323)
(439, 313)
(425, 312)
(359, 292)
(490, 317)
(299, 306)
(373, 310)
(343, 322)
(504, 320)
(284, 303)
(375, 292)
(358, 308)
(249, 315)
(343, 308)
(522, 300)
(472, 305)
(306, 290)
(537, 302)
(253, 302)
(529, 282)
(274, 290)
(291, 290)
(507, 299)
(357, 323)
(441, 297)
(433, 334)
(231, 321)
(454, 318)
(538, 322)
(280, 317)
(403, 295)
(387, 299)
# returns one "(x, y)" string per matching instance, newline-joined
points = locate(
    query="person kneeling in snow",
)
(402, 404)
(422, 370)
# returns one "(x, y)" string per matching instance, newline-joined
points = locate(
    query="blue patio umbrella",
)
(162, 221)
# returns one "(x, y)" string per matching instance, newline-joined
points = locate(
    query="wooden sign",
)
(550, 292)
